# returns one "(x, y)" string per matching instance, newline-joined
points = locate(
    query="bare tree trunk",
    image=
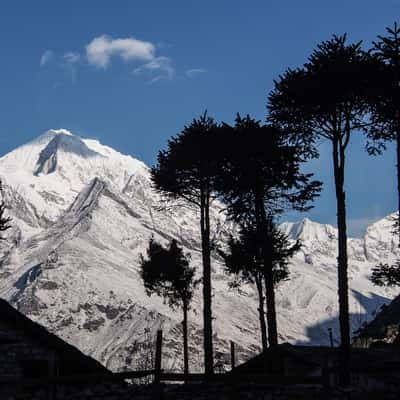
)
(271, 310)
(261, 312)
(397, 133)
(207, 293)
(398, 180)
(268, 270)
(343, 287)
(185, 339)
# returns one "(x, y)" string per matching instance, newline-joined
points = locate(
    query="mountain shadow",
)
(319, 334)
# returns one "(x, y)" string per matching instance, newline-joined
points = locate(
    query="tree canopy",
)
(187, 170)
(328, 98)
(385, 102)
(166, 272)
(260, 177)
(244, 262)
(259, 163)
(243, 259)
(386, 274)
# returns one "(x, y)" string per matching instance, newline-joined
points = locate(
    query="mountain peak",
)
(65, 142)
(48, 135)
(62, 141)
(60, 132)
(308, 230)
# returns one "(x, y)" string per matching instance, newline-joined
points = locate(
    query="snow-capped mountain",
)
(83, 213)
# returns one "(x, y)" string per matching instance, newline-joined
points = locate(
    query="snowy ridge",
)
(83, 213)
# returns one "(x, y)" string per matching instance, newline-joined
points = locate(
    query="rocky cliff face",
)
(82, 214)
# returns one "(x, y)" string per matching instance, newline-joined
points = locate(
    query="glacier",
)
(82, 215)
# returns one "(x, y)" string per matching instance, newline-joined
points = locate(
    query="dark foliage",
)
(259, 178)
(243, 259)
(327, 97)
(385, 102)
(258, 162)
(166, 272)
(188, 167)
(386, 275)
(244, 262)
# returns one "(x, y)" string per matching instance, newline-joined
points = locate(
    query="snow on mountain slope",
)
(83, 213)
(52, 169)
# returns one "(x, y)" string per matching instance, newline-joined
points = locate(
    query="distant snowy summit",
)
(58, 164)
(309, 230)
(31, 155)
(62, 142)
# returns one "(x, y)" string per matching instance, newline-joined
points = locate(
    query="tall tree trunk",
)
(271, 310)
(261, 312)
(207, 293)
(268, 270)
(397, 132)
(343, 287)
(398, 179)
(185, 339)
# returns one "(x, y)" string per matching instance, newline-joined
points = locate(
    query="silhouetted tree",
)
(386, 275)
(187, 170)
(328, 99)
(385, 101)
(167, 273)
(244, 261)
(260, 178)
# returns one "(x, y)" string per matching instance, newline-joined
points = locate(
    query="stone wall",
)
(20, 357)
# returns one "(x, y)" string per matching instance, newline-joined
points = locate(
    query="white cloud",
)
(69, 63)
(46, 57)
(162, 66)
(190, 73)
(71, 58)
(100, 50)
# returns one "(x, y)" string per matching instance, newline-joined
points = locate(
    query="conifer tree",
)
(385, 102)
(187, 170)
(244, 261)
(328, 99)
(166, 272)
(386, 275)
(260, 178)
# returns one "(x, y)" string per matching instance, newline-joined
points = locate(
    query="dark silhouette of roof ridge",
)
(66, 351)
(314, 356)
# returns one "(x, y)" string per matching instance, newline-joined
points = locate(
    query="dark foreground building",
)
(371, 368)
(29, 354)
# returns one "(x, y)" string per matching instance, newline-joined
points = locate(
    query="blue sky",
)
(132, 73)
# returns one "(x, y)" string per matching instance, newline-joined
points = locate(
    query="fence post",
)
(157, 365)
(232, 355)
(330, 336)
